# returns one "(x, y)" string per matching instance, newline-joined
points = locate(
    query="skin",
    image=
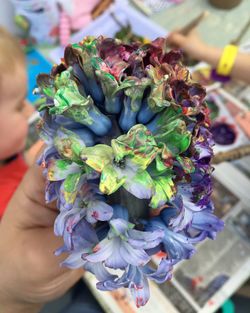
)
(199, 50)
(30, 272)
(14, 114)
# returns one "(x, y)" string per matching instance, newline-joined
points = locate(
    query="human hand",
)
(191, 43)
(30, 155)
(30, 272)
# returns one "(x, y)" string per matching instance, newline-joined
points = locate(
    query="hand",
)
(30, 272)
(30, 155)
(191, 43)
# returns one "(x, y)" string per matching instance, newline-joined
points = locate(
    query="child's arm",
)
(199, 50)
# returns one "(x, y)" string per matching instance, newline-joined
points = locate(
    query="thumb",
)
(27, 208)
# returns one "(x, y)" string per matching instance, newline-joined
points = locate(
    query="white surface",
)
(7, 15)
(105, 25)
(157, 303)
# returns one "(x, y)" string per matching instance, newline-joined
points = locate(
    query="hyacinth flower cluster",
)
(127, 158)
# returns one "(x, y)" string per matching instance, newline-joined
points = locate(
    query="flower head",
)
(127, 131)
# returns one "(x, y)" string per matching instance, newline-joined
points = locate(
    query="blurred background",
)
(217, 278)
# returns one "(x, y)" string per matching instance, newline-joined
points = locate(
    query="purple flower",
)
(125, 123)
(191, 197)
(178, 246)
(79, 236)
(89, 205)
(205, 221)
(201, 148)
(136, 279)
(124, 245)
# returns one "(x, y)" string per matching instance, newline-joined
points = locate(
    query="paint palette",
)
(201, 73)
(224, 109)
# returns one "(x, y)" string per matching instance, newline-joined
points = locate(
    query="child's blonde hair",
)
(11, 52)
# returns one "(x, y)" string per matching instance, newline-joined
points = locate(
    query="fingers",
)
(39, 270)
(34, 151)
(53, 278)
(57, 287)
(33, 184)
(27, 207)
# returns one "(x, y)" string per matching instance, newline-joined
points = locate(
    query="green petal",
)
(110, 182)
(60, 169)
(164, 190)
(159, 168)
(158, 97)
(70, 102)
(67, 97)
(186, 164)
(108, 82)
(141, 185)
(68, 144)
(70, 187)
(134, 88)
(98, 156)
(45, 84)
(176, 136)
(138, 144)
(71, 182)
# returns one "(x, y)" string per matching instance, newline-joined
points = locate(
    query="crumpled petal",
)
(140, 185)
(110, 180)
(98, 211)
(164, 190)
(97, 157)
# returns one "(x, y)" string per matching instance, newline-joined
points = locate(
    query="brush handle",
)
(194, 23)
(231, 155)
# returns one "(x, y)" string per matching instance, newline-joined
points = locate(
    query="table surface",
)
(219, 28)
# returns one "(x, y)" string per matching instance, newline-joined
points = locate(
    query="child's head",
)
(13, 121)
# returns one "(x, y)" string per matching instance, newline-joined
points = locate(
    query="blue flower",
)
(124, 245)
(136, 279)
(88, 204)
(191, 197)
(79, 236)
(126, 120)
(205, 221)
(178, 246)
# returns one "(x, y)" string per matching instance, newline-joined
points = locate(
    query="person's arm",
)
(30, 272)
(199, 50)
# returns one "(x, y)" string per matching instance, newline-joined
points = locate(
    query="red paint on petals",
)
(96, 248)
(95, 215)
